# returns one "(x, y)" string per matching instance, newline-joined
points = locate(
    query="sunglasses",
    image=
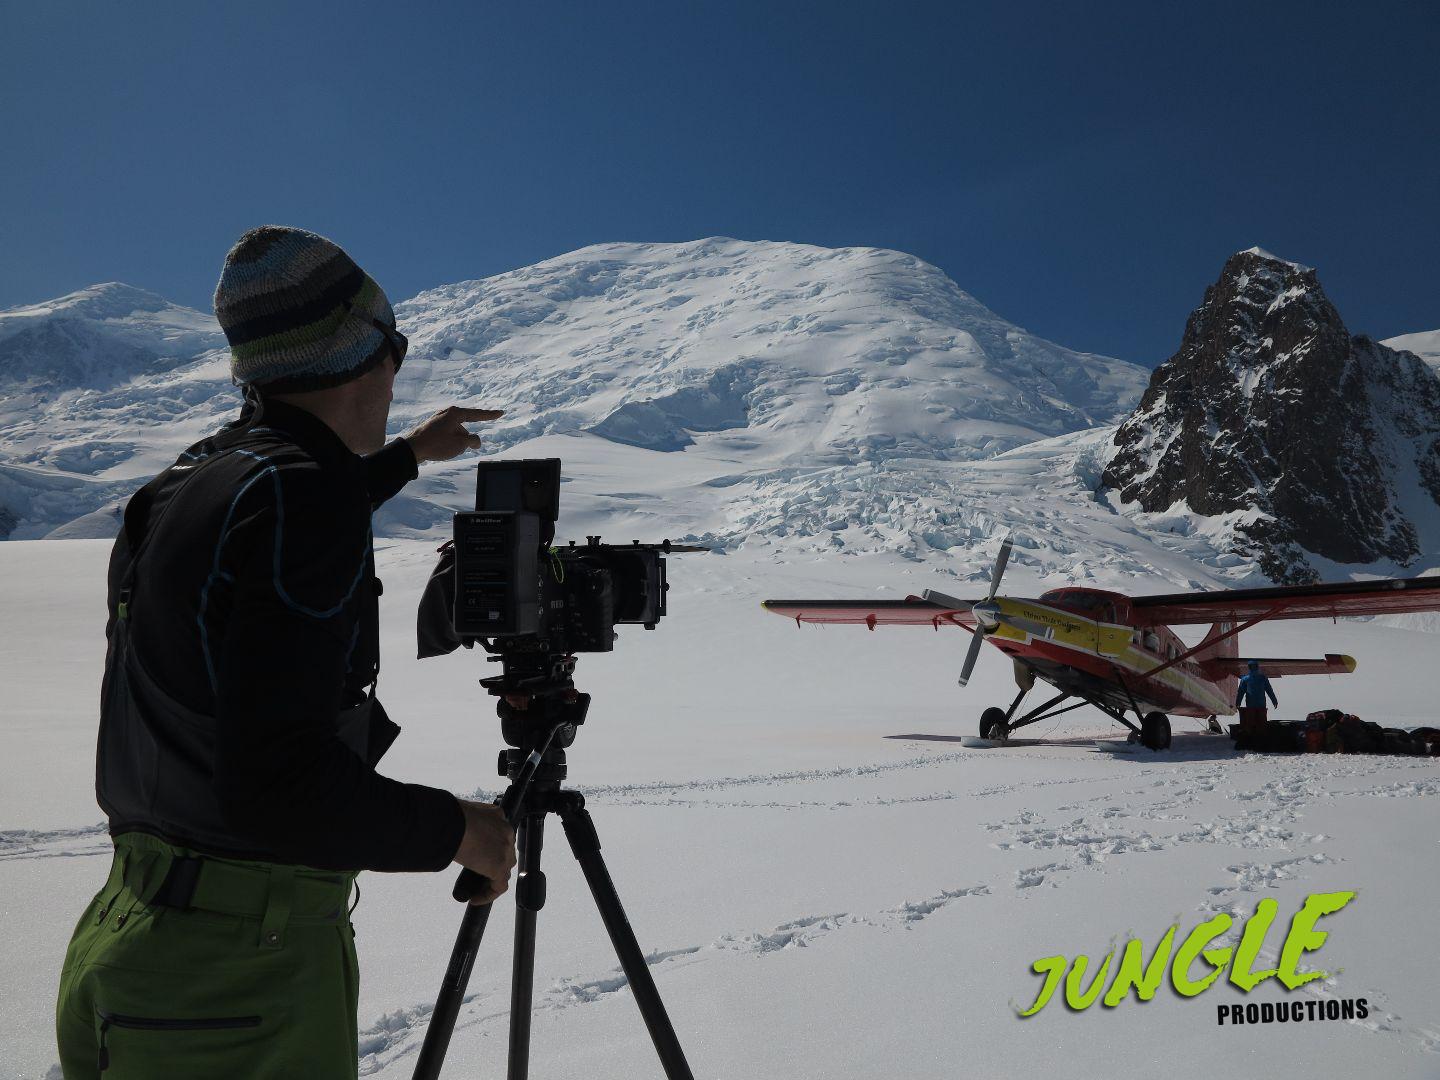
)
(398, 341)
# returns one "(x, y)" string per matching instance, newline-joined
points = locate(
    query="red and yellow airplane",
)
(1119, 653)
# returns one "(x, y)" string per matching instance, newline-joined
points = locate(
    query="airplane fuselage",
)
(1081, 641)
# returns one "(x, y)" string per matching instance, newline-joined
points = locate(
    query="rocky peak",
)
(1312, 441)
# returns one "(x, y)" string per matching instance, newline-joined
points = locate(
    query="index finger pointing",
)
(469, 416)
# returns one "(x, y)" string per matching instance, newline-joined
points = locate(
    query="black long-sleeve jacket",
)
(237, 711)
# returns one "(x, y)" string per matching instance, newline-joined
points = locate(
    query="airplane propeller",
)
(987, 613)
(977, 638)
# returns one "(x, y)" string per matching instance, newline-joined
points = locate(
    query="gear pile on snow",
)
(1336, 732)
(1331, 731)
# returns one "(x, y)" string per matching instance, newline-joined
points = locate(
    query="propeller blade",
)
(953, 602)
(1000, 561)
(977, 638)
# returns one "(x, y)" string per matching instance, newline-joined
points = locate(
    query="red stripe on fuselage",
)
(1147, 691)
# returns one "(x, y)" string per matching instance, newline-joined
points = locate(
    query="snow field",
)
(826, 884)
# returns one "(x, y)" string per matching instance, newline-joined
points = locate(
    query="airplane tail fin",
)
(1214, 647)
(1226, 649)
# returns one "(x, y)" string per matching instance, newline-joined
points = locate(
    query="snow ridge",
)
(788, 353)
(752, 360)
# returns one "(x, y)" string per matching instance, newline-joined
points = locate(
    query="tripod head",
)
(538, 704)
(540, 714)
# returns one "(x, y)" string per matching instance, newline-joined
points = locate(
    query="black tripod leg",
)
(529, 899)
(452, 993)
(585, 843)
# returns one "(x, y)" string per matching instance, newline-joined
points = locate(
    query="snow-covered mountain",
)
(752, 357)
(98, 390)
(786, 353)
(1295, 439)
(1425, 345)
(766, 396)
(89, 381)
(96, 338)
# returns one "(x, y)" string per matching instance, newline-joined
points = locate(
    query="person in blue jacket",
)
(1254, 688)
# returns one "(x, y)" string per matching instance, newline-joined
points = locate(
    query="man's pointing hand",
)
(445, 436)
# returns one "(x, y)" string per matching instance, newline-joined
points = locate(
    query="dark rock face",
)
(1331, 442)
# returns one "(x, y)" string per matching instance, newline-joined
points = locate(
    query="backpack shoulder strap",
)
(138, 526)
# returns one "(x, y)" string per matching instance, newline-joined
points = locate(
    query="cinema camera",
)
(533, 606)
(502, 583)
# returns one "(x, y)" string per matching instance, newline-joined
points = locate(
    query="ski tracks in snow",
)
(1255, 824)
(54, 843)
(399, 1034)
(1160, 806)
(671, 793)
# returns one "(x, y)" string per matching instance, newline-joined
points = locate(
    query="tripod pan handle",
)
(469, 885)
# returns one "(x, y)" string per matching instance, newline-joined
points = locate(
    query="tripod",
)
(538, 721)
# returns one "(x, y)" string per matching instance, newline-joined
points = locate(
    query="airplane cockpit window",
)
(1152, 641)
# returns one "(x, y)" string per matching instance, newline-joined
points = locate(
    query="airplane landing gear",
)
(1155, 731)
(993, 724)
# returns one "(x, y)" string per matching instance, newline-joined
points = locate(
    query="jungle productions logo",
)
(1134, 974)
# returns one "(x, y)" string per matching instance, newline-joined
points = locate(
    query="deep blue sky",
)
(1083, 169)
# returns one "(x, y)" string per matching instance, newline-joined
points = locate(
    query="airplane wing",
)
(1329, 664)
(912, 611)
(1391, 596)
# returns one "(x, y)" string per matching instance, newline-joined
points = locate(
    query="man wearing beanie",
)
(239, 726)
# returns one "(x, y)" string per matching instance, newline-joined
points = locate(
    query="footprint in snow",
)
(1252, 877)
(1036, 875)
(913, 911)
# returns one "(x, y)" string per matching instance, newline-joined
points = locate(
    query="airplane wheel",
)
(992, 724)
(1155, 731)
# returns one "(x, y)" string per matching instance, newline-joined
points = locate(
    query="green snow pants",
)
(255, 977)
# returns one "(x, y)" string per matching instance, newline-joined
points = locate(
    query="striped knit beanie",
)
(282, 302)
